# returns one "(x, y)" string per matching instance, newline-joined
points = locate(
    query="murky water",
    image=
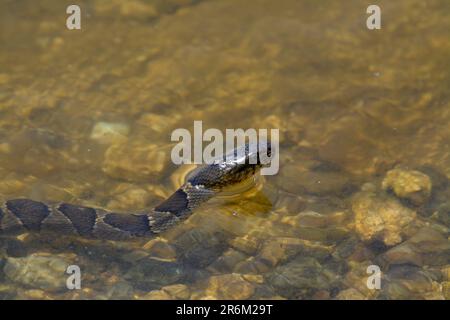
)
(364, 145)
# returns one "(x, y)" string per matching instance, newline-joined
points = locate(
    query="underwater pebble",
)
(227, 261)
(350, 294)
(177, 291)
(39, 271)
(306, 219)
(412, 185)
(381, 217)
(229, 286)
(160, 248)
(134, 161)
(156, 295)
(151, 273)
(128, 197)
(110, 132)
(426, 247)
(301, 274)
(246, 244)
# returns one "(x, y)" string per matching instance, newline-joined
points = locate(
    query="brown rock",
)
(229, 286)
(408, 184)
(136, 161)
(381, 217)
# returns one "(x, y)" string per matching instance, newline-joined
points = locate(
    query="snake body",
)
(19, 216)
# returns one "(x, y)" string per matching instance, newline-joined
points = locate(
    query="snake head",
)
(234, 167)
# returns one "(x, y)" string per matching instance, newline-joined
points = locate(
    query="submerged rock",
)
(110, 132)
(381, 217)
(151, 273)
(426, 247)
(411, 282)
(350, 294)
(412, 185)
(177, 291)
(299, 275)
(40, 271)
(229, 286)
(128, 196)
(137, 161)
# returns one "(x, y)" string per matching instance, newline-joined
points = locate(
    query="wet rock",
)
(404, 253)
(426, 247)
(313, 181)
(136, 161)
(160, 248)
(227, 261)
(381, 217)
(151, 273)
(127, 197)
(314, 219)
(350, 294)
(306, 219)
(299, 276)
(34, 294)
(252, 266)
(443, 214)
(229, 286)
(110, 132)
(357, 276)
(321, 295)
(120, 290)
(283, 248)
(177, 291)
(156, 295)
(246, 244)
(158, 123)
(134, 9)
(412, 185)
(199, 247)
(410, 282)
(446, 289)
(40, 271)
(352, 249)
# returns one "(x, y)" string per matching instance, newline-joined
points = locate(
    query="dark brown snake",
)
(19, 216)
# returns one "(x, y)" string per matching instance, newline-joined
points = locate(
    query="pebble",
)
(350, 294)
(39, 271)
(134, 161)
(412, 185)
(303, 273)
(160, 248)
(229, 286)
(110, 132)
(177, 291)
(381, 217)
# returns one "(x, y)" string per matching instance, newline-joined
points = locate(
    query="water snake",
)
(19, 216)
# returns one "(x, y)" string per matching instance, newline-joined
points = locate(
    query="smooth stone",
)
(299, 275)
(110, 132)
(177, 291)
(229, 286)
(151, 273)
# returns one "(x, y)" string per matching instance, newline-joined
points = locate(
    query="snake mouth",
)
(235, 190)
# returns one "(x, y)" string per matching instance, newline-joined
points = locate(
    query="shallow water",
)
(351, 105)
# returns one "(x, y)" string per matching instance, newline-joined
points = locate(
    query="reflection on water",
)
(86, 117)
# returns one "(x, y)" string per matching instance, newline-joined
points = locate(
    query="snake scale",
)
(19, 216)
